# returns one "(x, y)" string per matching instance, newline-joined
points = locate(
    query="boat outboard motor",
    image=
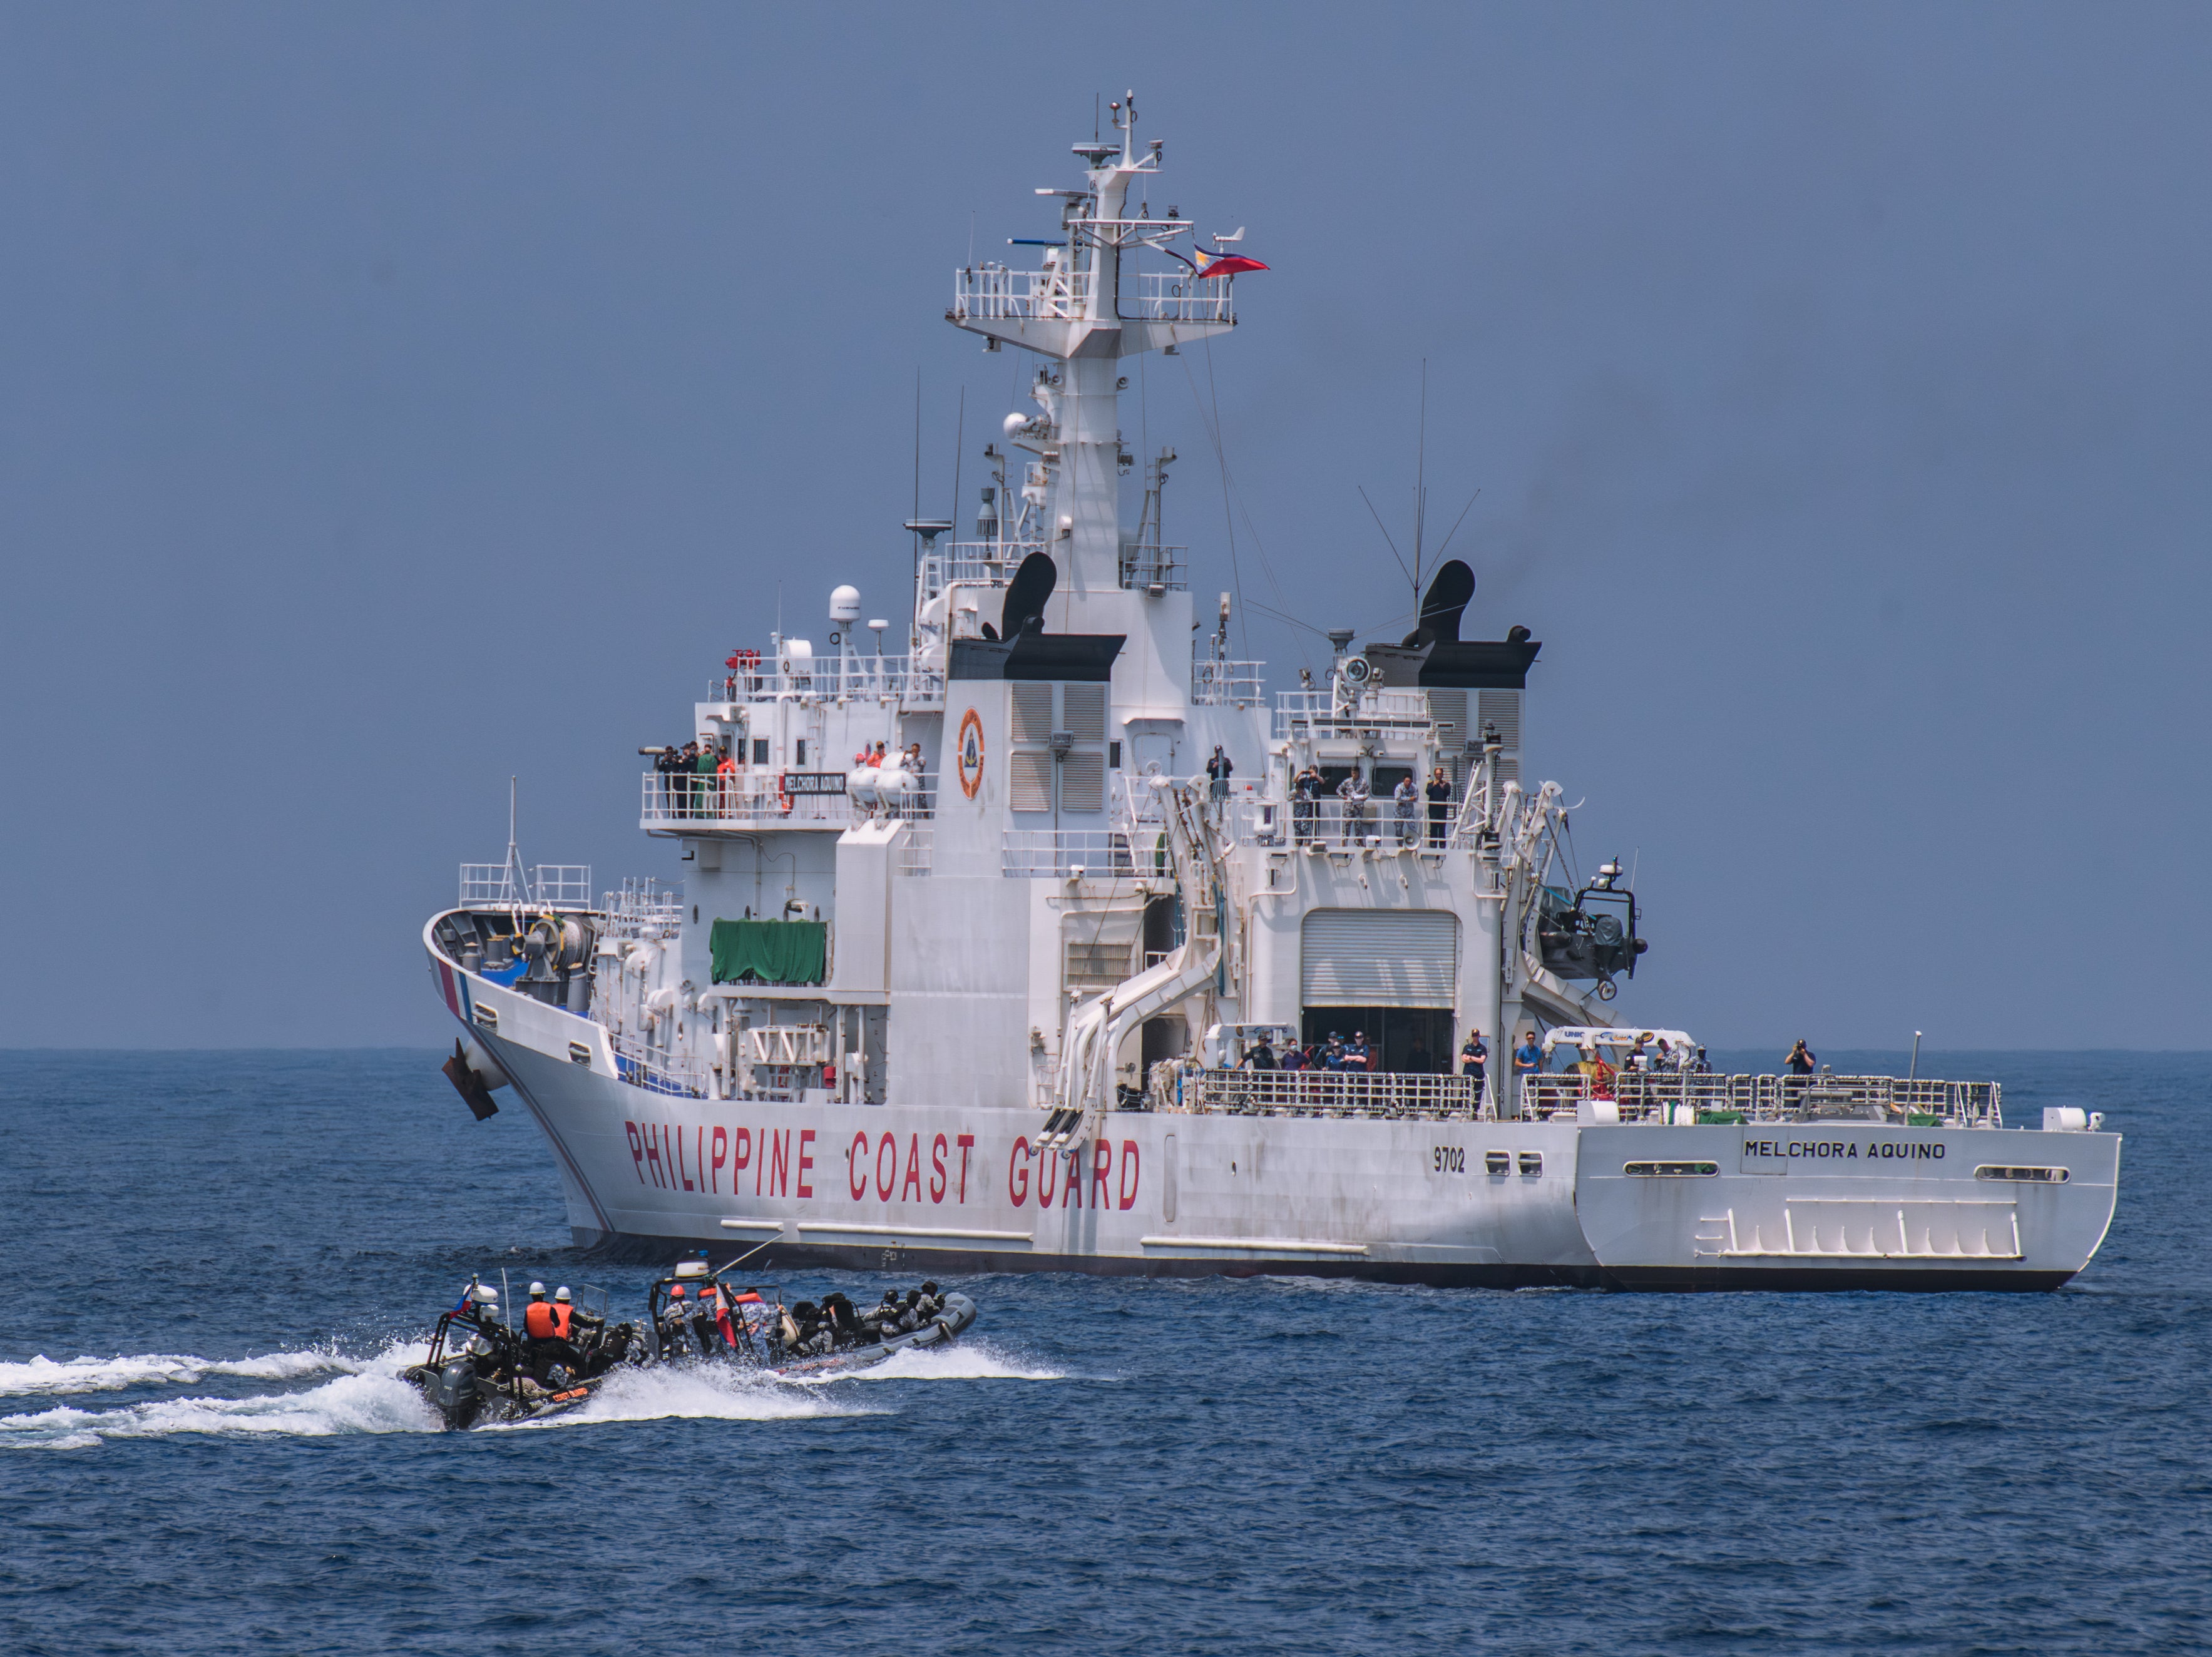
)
(453, 1393)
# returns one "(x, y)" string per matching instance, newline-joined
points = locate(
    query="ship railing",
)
(1332, 822)
(918, 851)
(642, 909)
(912, 678)
(1176, 296)
(1063, 853)
(1388, 1094)
(982, 564)
(544, 886)
(755, 798)
(1659, 1098)
(1309, 713)
(1222, 683)
(643, 1065)
(1147, 567)
(991, 292)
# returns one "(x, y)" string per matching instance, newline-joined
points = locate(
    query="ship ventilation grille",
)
(1029, 779)
(1086, 712)
(1033, 719)
(1083, 782)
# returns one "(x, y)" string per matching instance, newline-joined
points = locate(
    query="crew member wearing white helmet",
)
(546, 1325)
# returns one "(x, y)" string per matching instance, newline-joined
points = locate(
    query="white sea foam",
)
(966, 1361)
(371, 1400)
(369, 1396)
(41, 1377)
(692, 1392)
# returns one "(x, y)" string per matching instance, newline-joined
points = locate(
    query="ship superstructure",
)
(984, 943)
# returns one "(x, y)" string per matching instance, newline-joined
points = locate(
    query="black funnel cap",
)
(1031, 586)
(1449, 591)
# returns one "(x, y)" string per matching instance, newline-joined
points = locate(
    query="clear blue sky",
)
(395, 398)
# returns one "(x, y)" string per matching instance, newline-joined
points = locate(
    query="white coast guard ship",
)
(990, 1001)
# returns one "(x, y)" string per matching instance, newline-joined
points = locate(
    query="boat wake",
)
(691, 1391)
(42, 1377)
(969, 1360)
(368, 1396)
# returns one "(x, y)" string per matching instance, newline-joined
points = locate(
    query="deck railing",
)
(1045, 854)
(1333, 821)
(656, 1072)
(1147, 567)
(918, 851)
(771, 799)
(1223, 683)
(642, 909)
(913, 679)
(1676, 1097)
(1649, 1098)
(990, 563)
(544, 886)
(1317, 1093)
(992, 293)
(1315, 712)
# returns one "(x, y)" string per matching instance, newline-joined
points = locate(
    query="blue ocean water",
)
(212, 1264)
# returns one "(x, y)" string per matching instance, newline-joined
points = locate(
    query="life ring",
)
(968, 755)
(783, 792)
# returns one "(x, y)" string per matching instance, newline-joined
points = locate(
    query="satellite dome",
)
(844, 605)
(1013, 423)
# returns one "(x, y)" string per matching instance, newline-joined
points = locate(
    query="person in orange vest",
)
(545, 1328)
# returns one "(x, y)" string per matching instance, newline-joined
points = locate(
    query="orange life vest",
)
(542, 1322)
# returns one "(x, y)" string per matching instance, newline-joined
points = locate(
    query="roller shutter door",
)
(1379, 958)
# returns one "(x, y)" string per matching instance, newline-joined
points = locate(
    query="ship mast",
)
(1085, 312)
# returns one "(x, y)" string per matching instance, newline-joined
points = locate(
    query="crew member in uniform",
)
(1473, 1055)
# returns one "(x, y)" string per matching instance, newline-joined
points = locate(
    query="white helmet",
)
(562, 1293)
(537, 1290)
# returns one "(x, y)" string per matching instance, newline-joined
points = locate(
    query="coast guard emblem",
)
(971, 753)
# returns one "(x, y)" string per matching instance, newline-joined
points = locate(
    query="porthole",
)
(2027, 1175)
(1532, 1162)
(578, 1054)
(487, 1018)
(1497, 1161)
(1670, 1170)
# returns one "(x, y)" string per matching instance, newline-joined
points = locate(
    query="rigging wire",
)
(1393, 545)
(1212, 430)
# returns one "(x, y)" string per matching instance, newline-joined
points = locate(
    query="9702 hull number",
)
(1450, 1159)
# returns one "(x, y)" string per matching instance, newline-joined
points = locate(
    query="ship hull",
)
(953, 1190)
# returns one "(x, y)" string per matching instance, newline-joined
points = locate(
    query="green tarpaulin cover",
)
(772, 952)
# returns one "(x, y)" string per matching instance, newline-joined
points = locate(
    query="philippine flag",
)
(1224, 264)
